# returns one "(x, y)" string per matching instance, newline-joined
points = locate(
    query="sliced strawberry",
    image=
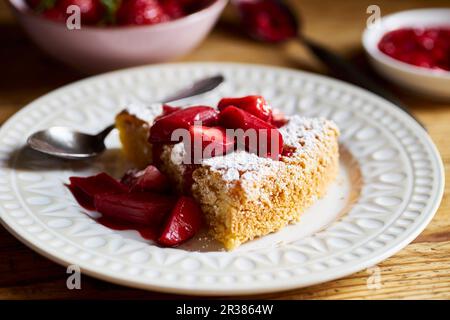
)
(279, 119)
(162, 129)
(149, 179)
(142, 208)
(207, 142)
(256, 105)
(84, 189)
(184, 221)
(269, 141)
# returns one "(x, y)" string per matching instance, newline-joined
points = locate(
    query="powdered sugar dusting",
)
(143, 111)
(239, 160)
(178, 153)
(231, 174)
(302, 133)
(244, 166)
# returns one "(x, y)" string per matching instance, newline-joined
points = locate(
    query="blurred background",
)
(28, 73)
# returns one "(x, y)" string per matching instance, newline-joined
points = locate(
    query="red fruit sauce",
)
(146, 232)
(422, 47)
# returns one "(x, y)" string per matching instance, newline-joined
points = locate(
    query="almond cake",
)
(241, 194)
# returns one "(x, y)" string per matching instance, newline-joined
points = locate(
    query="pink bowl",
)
(97, 49)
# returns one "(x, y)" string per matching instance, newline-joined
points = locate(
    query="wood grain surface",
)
(420, 271)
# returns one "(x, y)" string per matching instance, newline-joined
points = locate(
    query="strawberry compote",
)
(422, 47)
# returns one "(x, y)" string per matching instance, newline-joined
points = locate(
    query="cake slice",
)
(244, 196)
(134, 124)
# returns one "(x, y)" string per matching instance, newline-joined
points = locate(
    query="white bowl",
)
(434, 83)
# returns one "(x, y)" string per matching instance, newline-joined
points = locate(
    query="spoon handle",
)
(196, 88)
(349, 72)
(102, 135)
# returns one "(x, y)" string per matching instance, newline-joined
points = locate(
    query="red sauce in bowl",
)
(422, 47)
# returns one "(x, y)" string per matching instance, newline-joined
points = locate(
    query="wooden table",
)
(420, 271)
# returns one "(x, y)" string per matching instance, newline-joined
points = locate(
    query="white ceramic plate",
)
(389, 188)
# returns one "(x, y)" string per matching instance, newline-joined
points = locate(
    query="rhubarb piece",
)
(162, 129)
(83, 199)
(269, 141)
(169, 109)
(142, 208)
(84, 189)
(149, 179)
(146, 232)
(256, 105)
(182, 224)
(166, 110)
(207, 142)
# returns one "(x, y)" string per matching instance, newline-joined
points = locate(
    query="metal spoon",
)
(273, 21)
(64, 142)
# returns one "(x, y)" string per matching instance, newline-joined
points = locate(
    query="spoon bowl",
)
(67, 143)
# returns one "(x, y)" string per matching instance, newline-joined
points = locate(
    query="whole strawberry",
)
(173, 8)
(54, 14)
(140, 12)
(91, 11)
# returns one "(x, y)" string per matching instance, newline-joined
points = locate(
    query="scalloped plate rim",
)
(261, 287)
